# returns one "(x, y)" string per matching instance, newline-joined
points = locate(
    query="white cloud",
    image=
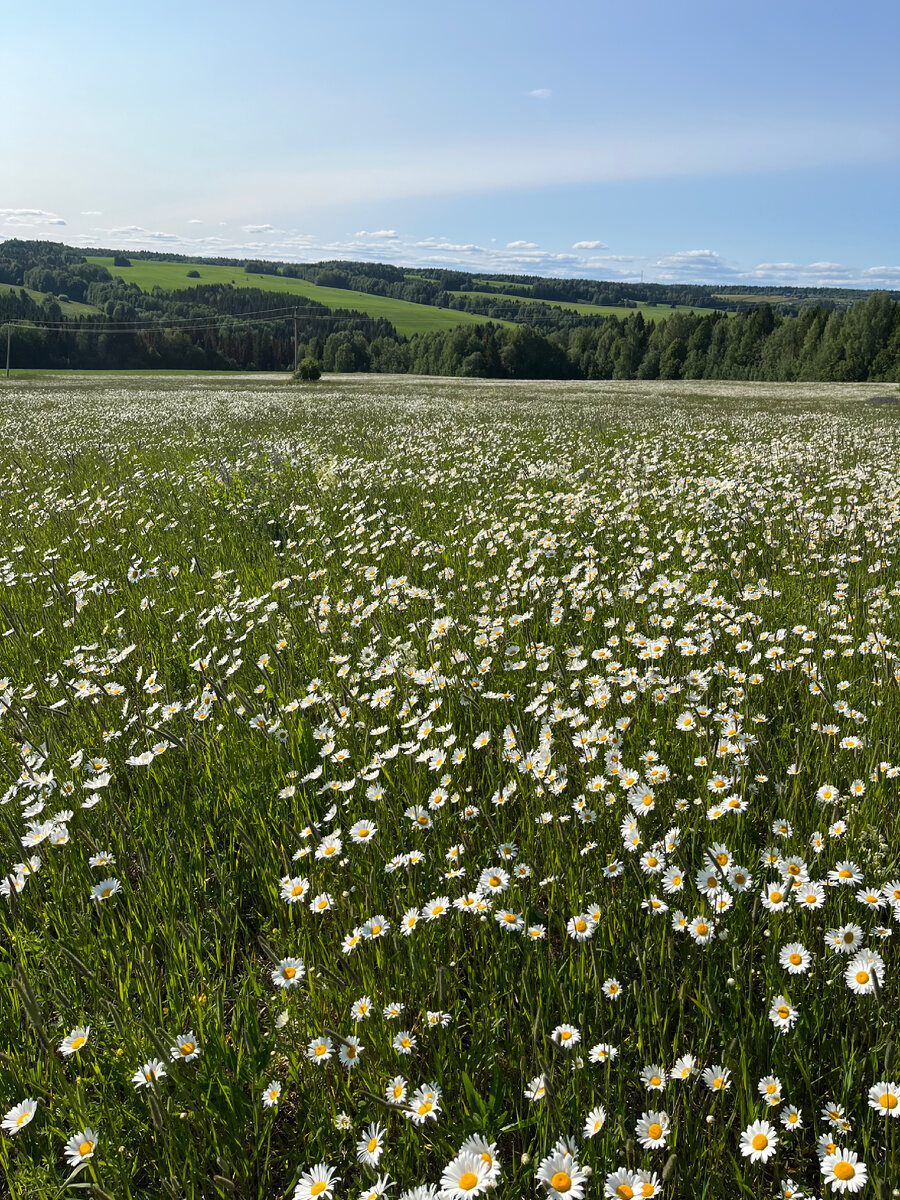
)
(194, 221)
(92, 212)
(29, 216)
(540, 93)
(590, 246)
(259, 229)
(376, 233)
(521, 245)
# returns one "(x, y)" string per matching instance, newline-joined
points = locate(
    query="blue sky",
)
(699, 141)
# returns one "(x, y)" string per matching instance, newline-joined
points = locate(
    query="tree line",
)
(219, 326)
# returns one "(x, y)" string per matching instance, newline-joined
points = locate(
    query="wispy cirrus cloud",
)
(540, 93)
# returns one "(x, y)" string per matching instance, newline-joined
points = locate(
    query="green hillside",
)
(406, 317)
(651, 312)
(70, 308)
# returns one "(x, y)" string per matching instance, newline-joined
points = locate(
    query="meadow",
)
(406, 317)
(436, 788)
(650, 312)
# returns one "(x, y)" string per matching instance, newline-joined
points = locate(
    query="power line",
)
(208, 323)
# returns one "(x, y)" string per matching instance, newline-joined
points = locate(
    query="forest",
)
(835, 337)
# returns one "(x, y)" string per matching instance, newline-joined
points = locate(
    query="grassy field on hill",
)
(651, 312)
(70, 308)
(406, 317)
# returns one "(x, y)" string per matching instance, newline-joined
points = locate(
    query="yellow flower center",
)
(187, 1047)
(467, 1181)
(289, 972)
(718, 1081)
(624, 1190)
(849, 937)
(776, 897)
(317, 1188)
(296, 890)
(760, 1141)
(373, 1142)
(106, 893)
(363, 833)
(843, 1170)
(85, 1148)
(722, 859)
(655, 1081)
(561, 1182)
(862, 976)
(795, 959)
(651, 861)
(887, 1100)
(398, 1090)
(771, 1088)
(654, 1131)
(376, 929)
(78, 1042)
(424, 1108)
(702, 929)
(844, 874)
(22, 1118)
(783, 1012)
(580, 926)
(320, 1049)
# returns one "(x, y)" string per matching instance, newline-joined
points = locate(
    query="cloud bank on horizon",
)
(582, 142)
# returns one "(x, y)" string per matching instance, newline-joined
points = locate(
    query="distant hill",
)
(102, 308)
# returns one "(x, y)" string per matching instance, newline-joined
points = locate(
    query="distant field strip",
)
(406, 317)
(70, 308)
(651, 312)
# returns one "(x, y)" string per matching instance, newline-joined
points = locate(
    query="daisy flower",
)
(288, 972)
(566, 1036)
(594, 1121)
(465, 1175)
(271, 1094)
(884, 1097)
(759, 1141)
(652, 1130)
(152, 1070)
(75, 1041)
(843, 1171)
(370, 1146)
(80, 1146)
(795, 958)
(185, 1047)
(317, 1183)
(19, 1116)
(782, 1014)
(562, 1176)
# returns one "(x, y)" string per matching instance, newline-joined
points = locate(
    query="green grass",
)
(446, 621)
(650, 312)
(70, 308)
(406, 317)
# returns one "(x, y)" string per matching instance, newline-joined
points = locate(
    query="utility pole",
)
(295, 341)
(8, 332)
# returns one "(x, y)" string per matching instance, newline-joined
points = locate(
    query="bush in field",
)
(308, 370)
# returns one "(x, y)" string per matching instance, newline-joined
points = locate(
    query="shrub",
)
(308, 369)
